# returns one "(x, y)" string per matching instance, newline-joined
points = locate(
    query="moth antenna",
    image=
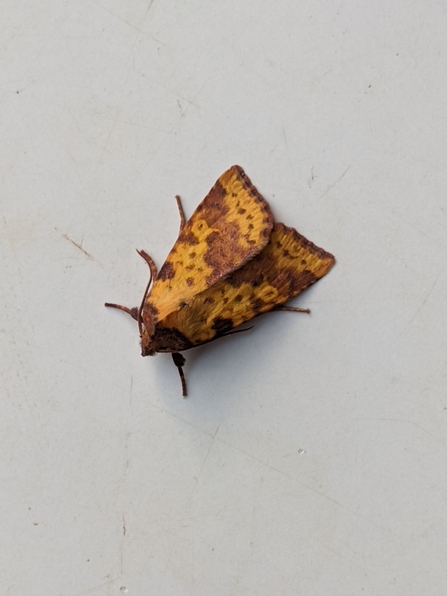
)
(140, 310)
(133, 312)
(181, 212)
(150, 263)
(179, 361)
(152, 275)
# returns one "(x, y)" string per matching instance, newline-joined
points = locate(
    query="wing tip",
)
(323, 254)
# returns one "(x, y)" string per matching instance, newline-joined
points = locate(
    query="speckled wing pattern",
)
(285, 267)
(229, 227)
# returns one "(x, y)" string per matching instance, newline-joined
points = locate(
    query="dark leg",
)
(292, 309)
(181, 212)
(179, 362)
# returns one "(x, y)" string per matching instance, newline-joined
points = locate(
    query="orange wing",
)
(231, 225)
(287, 266)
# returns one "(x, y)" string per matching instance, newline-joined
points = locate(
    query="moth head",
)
(146, 324)
(147, 344)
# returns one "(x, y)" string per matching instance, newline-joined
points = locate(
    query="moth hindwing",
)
(230, 263)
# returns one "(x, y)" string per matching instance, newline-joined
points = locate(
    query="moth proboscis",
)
(231, 262)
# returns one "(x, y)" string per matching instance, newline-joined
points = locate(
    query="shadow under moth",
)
(231, 262)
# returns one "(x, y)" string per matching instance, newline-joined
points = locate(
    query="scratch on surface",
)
(285, 140)
(79, 246)
(112, 128)
(435, 240)
(122, 100)
(165, 571)
(201, 468)
(122, 546)
(312, 177)
(191, 102)
(372, 521)
(149, 6)
(324, 496)
(196, 483)
(419, 309)
(117, 16)
(171, 24)
(408, 422)
(300, 451)
(160, 409)
(96, 587)
(331, 186)
(173, 92)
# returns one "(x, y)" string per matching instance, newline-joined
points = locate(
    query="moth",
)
(231, 262)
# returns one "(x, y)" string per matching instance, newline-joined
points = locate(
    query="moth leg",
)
(150, 262)
(179, 362)
(234, 331)
(133, 312)
(181, 212)
(292, 309)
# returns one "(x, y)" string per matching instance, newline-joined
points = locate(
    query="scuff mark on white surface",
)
(331, 186)
(79, 246)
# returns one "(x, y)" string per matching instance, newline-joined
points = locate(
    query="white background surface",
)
(310, 458)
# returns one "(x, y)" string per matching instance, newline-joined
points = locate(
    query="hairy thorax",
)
(157, 338)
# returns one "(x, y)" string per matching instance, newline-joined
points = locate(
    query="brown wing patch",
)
(285, 267)
(230, 226)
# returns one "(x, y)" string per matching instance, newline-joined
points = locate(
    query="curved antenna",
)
(153, 275)
(140, 310)
(133, 312)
